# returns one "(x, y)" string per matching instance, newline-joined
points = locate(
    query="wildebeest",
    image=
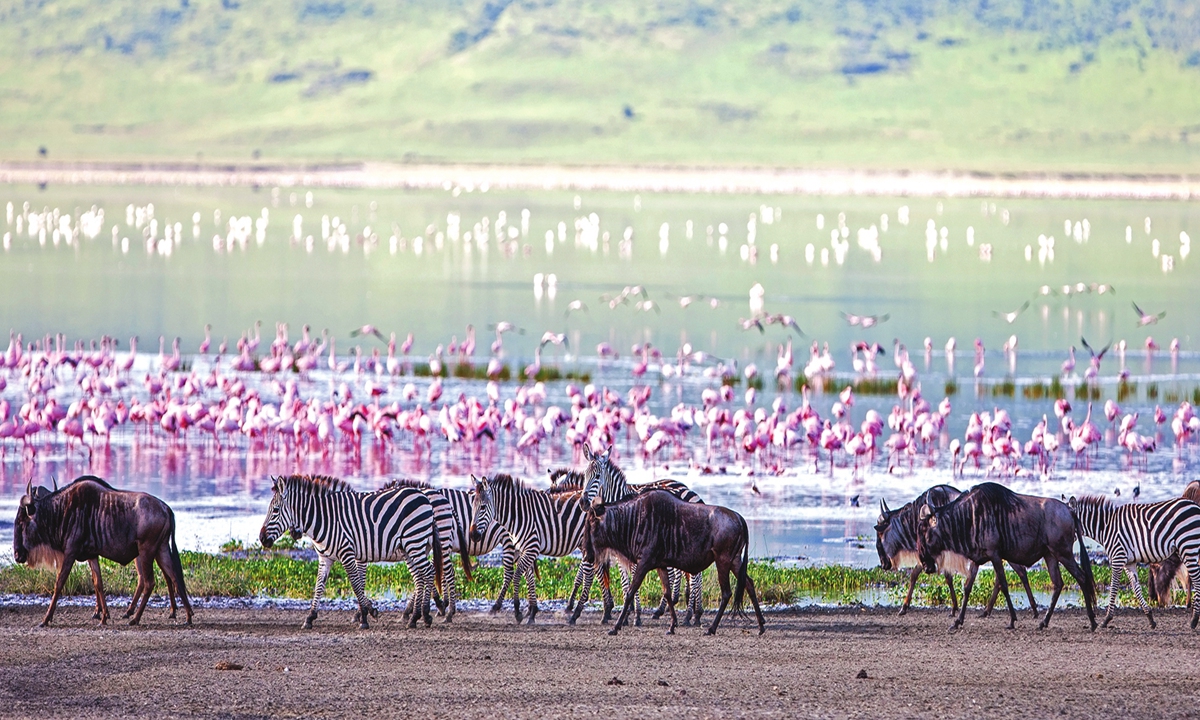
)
(89, 519)
(656, 530)
(896, 543)
(1164, 574)
(991, 523)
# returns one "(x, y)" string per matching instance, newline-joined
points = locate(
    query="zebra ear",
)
(608, 453)
(587, 452)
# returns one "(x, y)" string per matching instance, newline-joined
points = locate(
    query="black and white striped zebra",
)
(606, 482)
(461, 502)
(1142, 533)
(538, 522)
(451, 541)
(356, 528)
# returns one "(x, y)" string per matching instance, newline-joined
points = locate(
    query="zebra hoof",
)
(363, 625)
(1195, 619)
(671, 630)
(613, 631)
(1107, 620)
(307, 624)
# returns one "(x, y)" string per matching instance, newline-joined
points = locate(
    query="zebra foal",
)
(1142, 533)
(357, 528)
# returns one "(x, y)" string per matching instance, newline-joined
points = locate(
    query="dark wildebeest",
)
(991, 523)
(896, 542)
(655, 530)
(89, 519)
(1163, 574)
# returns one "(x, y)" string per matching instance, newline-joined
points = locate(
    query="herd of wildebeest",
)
(661, 526)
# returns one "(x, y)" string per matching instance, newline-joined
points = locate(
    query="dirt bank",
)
(483, 666)
(773, 181)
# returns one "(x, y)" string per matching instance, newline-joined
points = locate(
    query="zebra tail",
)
(439, 561)
(176, 562)
(739, 591)
(1085, 564)
(464, 555)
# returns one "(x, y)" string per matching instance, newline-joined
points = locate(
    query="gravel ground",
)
(809, 663)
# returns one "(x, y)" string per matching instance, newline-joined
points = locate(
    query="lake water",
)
(425, 263)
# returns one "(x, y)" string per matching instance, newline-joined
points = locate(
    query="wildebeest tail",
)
(439, 560)
(464, 555)
(175, 561)
(739, 590)
(1089, 589)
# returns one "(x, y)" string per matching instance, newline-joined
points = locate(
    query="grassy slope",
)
(737, 83)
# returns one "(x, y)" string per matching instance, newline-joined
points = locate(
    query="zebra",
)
(538, 522)
(357, 528)
(1139, 533)
(451, 541)
(605, 481)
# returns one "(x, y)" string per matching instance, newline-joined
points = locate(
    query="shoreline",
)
(651, 179)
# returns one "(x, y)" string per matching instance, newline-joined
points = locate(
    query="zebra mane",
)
(1101, 502)
(317, 484)
(505, 482)
(564, 480)
(406, 483)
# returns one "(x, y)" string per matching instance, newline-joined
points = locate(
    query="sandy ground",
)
(780, 181)
(485, 666)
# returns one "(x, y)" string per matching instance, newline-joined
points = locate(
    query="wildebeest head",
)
(599, 467)
(885, 540)
(482, 508)
(281, 516)
(930, 537)
(27, 530)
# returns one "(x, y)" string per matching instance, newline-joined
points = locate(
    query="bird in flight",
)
(553, 338)
(866, 321)
(368, 330)
(1011, 317)
(752, 323)
(575, 306)
(784, 320)
(1145, 319)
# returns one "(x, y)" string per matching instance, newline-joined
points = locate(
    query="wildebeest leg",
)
(912, 584)
(953, 593)
(665, 576)
(1117, 564)
(1002, 582)
(324, 563)
(137, 594)
(762, 625)
(163, 559)
(726, 593)
(64, 571)
(671, 595)
(967, 585)
(1056, 583)
(635, 584)
(145, 569)
(98, 585)
(606, 590)
(1023, 573)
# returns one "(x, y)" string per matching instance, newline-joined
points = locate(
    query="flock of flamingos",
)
(301, 397)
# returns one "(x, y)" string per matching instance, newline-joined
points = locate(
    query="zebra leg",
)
(324, 564)
(508, 563)
(606, 590)
(1117, 564)
(1136, 586)
(451, 581)
(670, 593)
(585, 590)
(635, 583)
(1192, 559)
(528, 560)
(576, 584)
(358, 580)
(696, 596)
(665, 576)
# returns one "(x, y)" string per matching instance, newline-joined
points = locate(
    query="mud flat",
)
(734, 180)
(807, 665)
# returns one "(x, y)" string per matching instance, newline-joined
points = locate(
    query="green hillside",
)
(1108, 85)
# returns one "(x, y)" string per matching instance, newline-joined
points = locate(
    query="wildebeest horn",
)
(883, 505)
(54, 479)
(29, 487)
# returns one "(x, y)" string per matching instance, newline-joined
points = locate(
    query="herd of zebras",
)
(414, 522)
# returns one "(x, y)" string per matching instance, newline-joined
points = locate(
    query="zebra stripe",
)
(606, 482)
(1142, 533)
(356, 528)
(537, 522)
(461, 502)
(443, 515)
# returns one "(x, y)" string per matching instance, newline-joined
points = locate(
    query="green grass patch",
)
(255, 573)
(1005, 388)
(1152, 391)
(951, 388)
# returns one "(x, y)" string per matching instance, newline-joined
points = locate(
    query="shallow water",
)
(90, 287)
